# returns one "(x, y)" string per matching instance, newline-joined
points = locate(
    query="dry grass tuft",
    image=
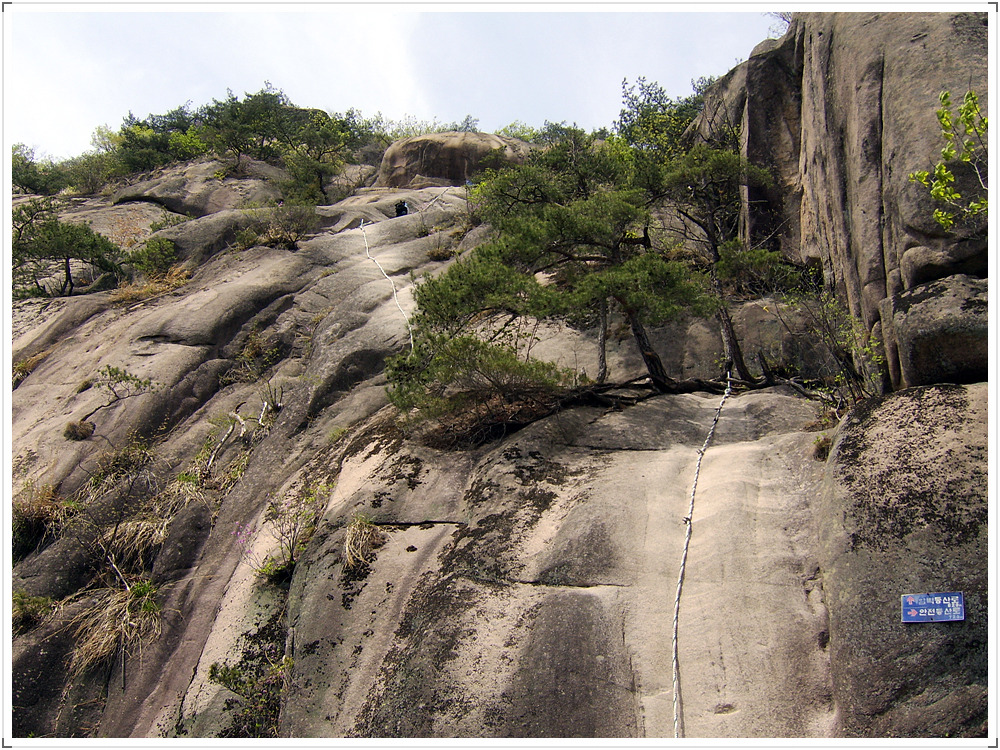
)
(78, 430)
(177, 495)
(126, 464)
(361, 539)
(40, 503)
(37, 513)
(133, 543)
(117, 620)
(26, 366)
(176, 277)
(822, 446)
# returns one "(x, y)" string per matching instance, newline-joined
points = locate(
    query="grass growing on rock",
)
(29, 611)
(173, 279)
(118, 621)
(259, 679)
(78, 430)
(38, 513)
(360, 540)
(27, 366)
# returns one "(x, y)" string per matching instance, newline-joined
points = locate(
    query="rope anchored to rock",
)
(689, 524)
(391, 282)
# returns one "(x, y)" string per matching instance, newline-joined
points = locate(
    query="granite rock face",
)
(905, 511)
(525, 587)
(940, 331)
(842, 110)
(200, 189)
(515, 593)
(521, 589)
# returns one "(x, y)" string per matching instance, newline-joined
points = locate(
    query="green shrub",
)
(260, 685)
(119, 384)
(44, 250)
(292, 520)
(168, 219)
(463, 392)
(756, 271)
(278, 226)
(186, 145)
(90, 173)
(31, 175)
(469, 366)
(154, 257)
(965, 138)
(858, 355)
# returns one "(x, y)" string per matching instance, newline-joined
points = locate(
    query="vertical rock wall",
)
(842, 110)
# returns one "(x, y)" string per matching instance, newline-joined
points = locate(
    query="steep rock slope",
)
(521, 588)
(541, 591)
(490, 557)
(325, 315)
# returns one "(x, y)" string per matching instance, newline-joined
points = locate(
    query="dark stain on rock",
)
(895, 495)
(413, 691)
(352, 580)
(582, 561)
(573, 678)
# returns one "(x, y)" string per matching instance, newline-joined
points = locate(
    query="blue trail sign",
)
(939, 607)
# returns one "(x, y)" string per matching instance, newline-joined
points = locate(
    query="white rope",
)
(689, 522)
(391, 282)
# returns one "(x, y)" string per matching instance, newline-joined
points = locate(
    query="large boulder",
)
(938, 332)
(444, 158)
(905, 511)
(199, 239)
(198, 188)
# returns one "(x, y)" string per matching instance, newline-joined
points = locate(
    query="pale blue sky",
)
(67, 72)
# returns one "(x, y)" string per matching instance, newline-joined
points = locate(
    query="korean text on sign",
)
(937, 607)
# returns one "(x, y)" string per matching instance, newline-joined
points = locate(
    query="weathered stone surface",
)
(919, 264)
(38, 670)
(905, 511)
(201, 238)
(182, 545)
(528, 602)
(196, 191)
(842, 110)
(941, 332)
(122, 221)
(443, 158)
(525, 588)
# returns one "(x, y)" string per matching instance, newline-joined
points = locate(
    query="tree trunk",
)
(731, 347)
(661, 381)
(602, 344)
(68, 282)
(730, 344)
